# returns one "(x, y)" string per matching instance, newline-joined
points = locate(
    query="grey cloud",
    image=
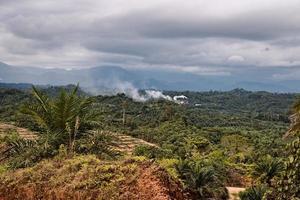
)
(263, 24)
(134, 47)
(259, 25)
(189, 39)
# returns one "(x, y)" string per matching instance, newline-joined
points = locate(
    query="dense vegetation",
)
(217, 139)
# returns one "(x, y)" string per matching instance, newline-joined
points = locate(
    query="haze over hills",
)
(116, 78)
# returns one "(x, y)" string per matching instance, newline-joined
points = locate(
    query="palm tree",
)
(266, 169)
(207, 183)
(253, 193)
(66, 115)
(183, 168)
(202, 180)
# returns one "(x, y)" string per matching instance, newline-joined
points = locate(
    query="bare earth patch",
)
(233, 192)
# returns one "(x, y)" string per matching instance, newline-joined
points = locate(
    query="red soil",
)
(153, 183)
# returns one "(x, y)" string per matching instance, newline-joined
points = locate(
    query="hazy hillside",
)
(105, 78)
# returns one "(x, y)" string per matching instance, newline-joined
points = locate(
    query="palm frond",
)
(43, 100)
(62, 114)
(253, 193)
(18, 146)
(36, 113)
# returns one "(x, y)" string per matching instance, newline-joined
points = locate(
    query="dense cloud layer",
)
(202, 37)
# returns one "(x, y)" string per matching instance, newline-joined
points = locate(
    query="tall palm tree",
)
(67, 115)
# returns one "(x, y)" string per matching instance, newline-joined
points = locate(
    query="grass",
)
(87, 177)
(82, 176)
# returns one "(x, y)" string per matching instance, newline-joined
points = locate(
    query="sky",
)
(212, 38)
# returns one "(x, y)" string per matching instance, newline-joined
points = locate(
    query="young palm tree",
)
(202, 180)
(266, 169)
(183, 168)
(205, 181)
(253, 193)
(66, 115)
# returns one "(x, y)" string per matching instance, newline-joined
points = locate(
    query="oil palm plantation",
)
(64, 117)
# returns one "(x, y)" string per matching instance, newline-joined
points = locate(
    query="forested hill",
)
(257, 104)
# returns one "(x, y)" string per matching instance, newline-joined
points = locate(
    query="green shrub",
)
(170, 166)
(3, 169)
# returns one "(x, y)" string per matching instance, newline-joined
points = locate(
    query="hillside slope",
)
(86, 177)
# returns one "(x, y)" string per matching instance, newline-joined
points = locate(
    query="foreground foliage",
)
(289, 185)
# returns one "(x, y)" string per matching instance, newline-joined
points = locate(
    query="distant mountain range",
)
(111, 78)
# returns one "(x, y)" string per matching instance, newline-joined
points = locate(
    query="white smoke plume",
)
(115, 86)
(131, 91)
(154, 94)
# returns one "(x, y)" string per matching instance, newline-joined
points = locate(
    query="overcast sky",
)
(215, 37)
